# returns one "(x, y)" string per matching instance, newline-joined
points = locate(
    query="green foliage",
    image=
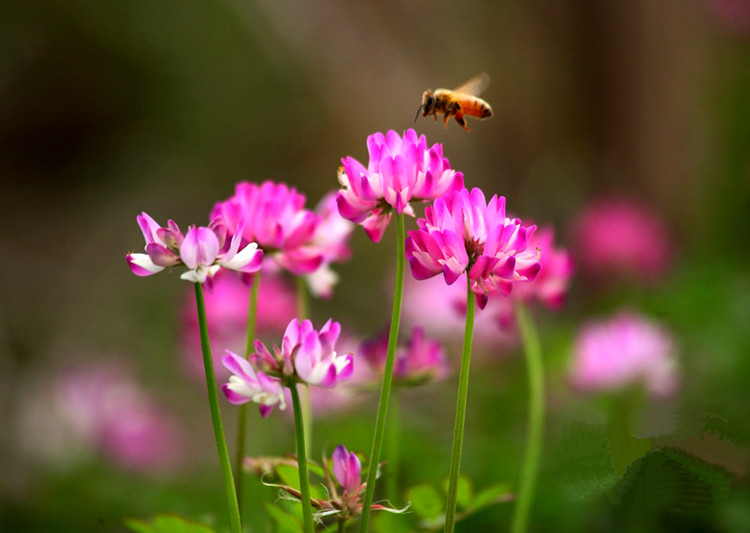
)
(584, 459)
(285, 522)
(167, 523)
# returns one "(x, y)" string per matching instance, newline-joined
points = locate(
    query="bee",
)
(460, 102)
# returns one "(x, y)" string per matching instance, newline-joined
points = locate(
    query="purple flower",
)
(202, 250)
(348, 472)
(401, 169)
(306, 355)
(623, 351)
(245, 384)
(461, 232)
(416, 362)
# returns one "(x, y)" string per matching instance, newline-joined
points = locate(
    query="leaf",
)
(285, 522)
(623, 447)
(167, 523)
(498, 493)
(390, 523)
(426, 501)
(585, 463)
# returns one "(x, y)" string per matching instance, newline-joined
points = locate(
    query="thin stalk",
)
(385, 388)
(303, 308)
(530, 468)
(394, 448)
(304, 482)
(252, 313)
(458, 428)
(213, 402)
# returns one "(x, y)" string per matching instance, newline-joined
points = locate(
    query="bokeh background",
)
(109, 108)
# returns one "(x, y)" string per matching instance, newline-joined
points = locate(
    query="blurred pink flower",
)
(461, 232)
(227, 304)
(401, 169)
(556, 268)
(331, 237)
(620, 237)
(623, 351)
(100, 408)
(275, 218)
(202, 250)
(417, 361)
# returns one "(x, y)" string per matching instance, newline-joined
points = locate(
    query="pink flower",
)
(416, 362)
(556, 268)
(275, 218)
(621, 237)
(306, 355)
(331, 237)
(101, 408)
(245, 384)
(348, 472)
(401, 169)
(201, 250)
(622, 351)
(463, 233)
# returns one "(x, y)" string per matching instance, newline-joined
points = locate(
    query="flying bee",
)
(460, 102)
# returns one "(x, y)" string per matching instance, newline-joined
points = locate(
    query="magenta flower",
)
(245, 384)
(623, 351)
(418, 361)
(348, 472)
(624, 238)
(202, 250)
(463, 233)
(306, 355)
(275, 218)
(401, 169)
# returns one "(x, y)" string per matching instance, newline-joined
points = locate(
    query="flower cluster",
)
(417, 361)
(203, 250)
(623, 351)
(401, 169)
(462, 233)
(305, 356)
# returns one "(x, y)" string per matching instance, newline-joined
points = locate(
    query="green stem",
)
(385, 388)
(394, 448)
(304, 483)
(303, 308)
(252, 314)
(213, 402)
(530, 468)
(458, 428)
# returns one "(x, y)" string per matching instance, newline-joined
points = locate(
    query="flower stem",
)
(213, 402)
(304, 483)
(385, 388)
(303, 309)
(458, 428)
(394, 448)
(252, 313)
(530, 468)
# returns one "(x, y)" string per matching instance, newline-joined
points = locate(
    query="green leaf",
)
(285, 522)
(584, 461)
(498, 493)
(623, 447)
(426, 501)
(390, 523)
(167, 523)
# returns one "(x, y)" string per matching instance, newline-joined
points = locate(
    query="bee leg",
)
(445, 120)
(461, 121)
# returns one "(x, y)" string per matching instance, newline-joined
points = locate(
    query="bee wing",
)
(474, 86)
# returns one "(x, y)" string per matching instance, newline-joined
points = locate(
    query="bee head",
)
(428, 102)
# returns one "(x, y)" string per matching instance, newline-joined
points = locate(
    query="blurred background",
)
(109, 108)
